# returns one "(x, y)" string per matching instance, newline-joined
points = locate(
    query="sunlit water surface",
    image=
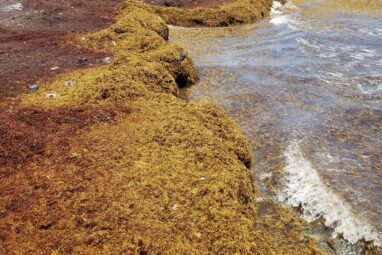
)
(306, 87)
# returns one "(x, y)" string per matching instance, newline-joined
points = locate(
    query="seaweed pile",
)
(110, 160)
(234, 13)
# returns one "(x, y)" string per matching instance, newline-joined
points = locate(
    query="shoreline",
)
(207, 47)
(92, 176)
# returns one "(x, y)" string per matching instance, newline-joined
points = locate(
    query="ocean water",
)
(305, 85)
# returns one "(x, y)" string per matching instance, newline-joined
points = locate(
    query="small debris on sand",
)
(69, 83)
(50, 95)
(33, 88)
(107, 60)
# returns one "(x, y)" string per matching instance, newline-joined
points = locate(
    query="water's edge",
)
(222, 62)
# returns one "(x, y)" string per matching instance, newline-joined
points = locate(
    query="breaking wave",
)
(303, 187)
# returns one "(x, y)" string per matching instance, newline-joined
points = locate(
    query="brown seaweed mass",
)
(188, 3)
(230, 13)
(117, 163)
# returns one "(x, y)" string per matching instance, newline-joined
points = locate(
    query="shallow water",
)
(306, 87)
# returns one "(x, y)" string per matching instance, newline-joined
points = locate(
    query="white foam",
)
(13, 7)
(303, 186)
(276, 6)
(280, 20)
(280, 14)
(370, 90)
(266, 175)
(276, 11)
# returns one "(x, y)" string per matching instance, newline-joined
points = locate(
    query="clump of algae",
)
(164, 177)
(237, 12)
(144, 64)
(127, 78)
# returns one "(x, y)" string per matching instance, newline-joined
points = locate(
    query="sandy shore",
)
(109, 159)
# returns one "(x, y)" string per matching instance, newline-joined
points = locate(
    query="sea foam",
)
(279, 14)
(304, 187)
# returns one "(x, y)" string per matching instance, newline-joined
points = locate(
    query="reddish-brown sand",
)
(27, 57)
(25, 132)
(74, 15)
(31, 39)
